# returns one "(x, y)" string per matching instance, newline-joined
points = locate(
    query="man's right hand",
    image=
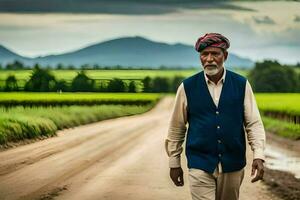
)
(176, 175)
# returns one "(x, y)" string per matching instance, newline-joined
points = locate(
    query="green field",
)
(280, 113)
(29, 99)
(288, 103)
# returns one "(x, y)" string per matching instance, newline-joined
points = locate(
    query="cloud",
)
(112, 6)
(263, 20)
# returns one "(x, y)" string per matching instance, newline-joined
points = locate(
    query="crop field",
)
(284, 104)
(281, 113)
(8, 99)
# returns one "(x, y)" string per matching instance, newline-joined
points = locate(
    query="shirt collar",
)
(222, 79)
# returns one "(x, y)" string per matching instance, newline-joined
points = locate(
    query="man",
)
(219, 107)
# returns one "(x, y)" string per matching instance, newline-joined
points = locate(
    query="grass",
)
(21, 123)
(282, 128)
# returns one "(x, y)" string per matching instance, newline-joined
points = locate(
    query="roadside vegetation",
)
(19, 123)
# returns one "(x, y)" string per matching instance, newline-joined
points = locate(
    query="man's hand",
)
(257, 166)
(176, 175)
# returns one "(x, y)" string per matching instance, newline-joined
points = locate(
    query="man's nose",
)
(209, 57)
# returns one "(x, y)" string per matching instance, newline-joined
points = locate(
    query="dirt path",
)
(115, 159)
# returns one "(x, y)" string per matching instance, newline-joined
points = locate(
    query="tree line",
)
(266, 76)
(17, 65)
(42, 80)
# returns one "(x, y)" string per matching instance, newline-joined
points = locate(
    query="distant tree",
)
(85, 67)
(132, 87)
(116, 85)
(270, 76)
(59, 66)
(176, 82)
(160, 84)
(61, 85)
(11, 83)
(16, 65)
(1, 66)
(102, 85)
(82, 83)
(41, 80)
(147, 83)
(96, 66)
(71, 67)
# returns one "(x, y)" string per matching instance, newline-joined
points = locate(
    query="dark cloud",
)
(263, 20)
(110, 6)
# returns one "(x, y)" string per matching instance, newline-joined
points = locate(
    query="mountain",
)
(7, 56)
(133, 51)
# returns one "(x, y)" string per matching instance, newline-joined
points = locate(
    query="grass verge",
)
(20, 123)
(282, 128)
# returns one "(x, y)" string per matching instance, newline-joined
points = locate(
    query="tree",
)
(61, 85)
(17, 65)
(41, 80)
(11, 83)
(132, 87)
(161, 84)
(176, 82)
(59, 66)
(270, 76)
(147, 82)
(82, 83)
(116, 85)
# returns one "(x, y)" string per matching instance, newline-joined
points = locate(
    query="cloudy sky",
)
(257, 30)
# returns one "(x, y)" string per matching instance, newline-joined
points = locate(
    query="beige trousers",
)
(216, 186)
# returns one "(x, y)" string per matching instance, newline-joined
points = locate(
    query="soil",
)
(283, 184)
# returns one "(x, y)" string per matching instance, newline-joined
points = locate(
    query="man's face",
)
(212, 59)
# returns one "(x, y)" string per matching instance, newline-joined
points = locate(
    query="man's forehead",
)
(211, 49)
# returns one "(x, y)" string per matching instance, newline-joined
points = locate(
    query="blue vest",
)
(215, 134)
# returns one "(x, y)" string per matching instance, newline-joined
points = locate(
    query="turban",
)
(212, 40)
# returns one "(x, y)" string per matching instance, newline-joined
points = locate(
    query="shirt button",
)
(219, 141)
(217, 112)
(218, 127)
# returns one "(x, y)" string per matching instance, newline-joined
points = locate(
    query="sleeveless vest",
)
(215, 134)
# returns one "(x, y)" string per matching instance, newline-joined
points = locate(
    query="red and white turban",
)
(212, 40)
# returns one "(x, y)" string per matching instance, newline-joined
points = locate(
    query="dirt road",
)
(115, 159)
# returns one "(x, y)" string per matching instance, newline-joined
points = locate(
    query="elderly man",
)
(219, 107)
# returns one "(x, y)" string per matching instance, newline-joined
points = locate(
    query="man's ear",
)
(225, 55)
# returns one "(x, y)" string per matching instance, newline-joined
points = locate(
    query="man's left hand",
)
(258, 166)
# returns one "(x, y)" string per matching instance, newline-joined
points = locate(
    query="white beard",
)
(211, 71)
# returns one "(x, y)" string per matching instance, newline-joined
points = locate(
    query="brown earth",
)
(115, 159)
(283, 184)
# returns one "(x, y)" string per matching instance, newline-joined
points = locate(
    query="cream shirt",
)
(177, 128)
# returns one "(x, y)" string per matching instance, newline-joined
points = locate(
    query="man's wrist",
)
(174, 162)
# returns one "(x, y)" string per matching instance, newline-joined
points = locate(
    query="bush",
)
(41, 80)
(82, 83)
(116, 85)
(11, 83)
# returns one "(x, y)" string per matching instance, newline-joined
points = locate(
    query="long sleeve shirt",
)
(178, 124)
